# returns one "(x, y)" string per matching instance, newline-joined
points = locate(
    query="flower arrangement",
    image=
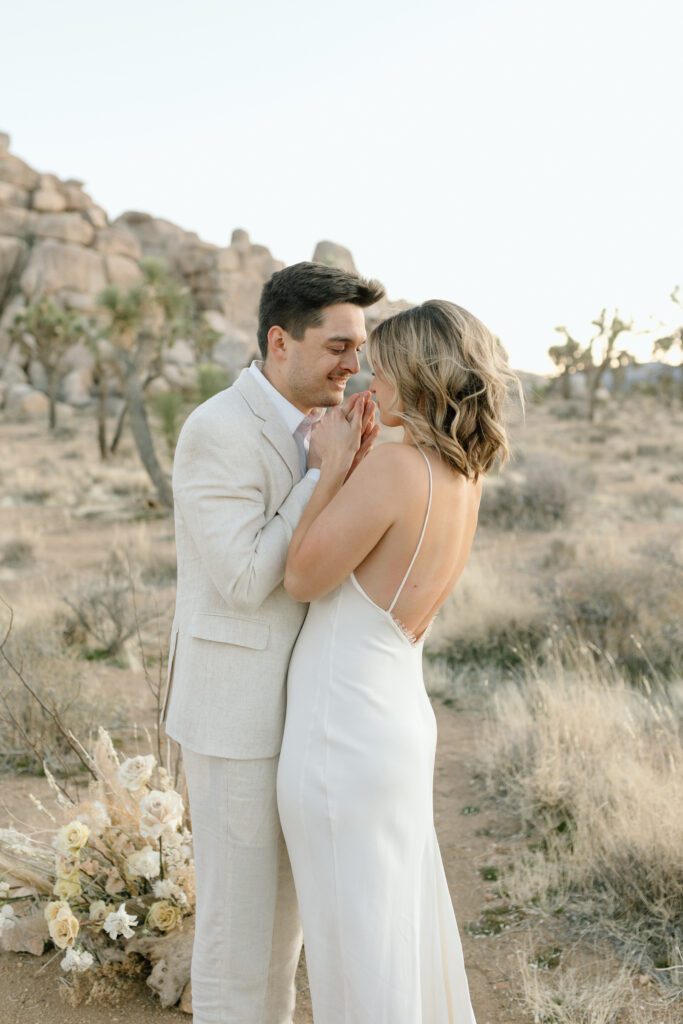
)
(118, 877)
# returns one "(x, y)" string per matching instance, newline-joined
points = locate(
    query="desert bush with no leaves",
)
(110, 609)
(29, 735)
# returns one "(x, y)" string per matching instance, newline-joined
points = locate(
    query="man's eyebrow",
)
(345, 339)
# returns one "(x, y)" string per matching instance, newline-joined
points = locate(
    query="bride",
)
(377, 552)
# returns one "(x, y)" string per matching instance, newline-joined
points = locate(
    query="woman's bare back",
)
(444, 550)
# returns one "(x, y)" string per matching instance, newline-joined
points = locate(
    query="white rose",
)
(77, 960)
(71, 838)
(120, 923)
(95, 815)
(144, 863)
(160, 813)
(135, 772)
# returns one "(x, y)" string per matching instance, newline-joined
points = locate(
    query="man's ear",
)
(277, 342)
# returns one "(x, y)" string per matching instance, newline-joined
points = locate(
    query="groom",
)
(244, 469)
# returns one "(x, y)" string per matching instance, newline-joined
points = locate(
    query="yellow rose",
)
(72, 838)
(67, 888)
(163, 916)
(53, 908)
(63, 928)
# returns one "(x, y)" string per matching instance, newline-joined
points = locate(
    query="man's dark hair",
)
(295, 298)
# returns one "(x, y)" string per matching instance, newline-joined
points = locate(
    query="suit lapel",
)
(273, 429)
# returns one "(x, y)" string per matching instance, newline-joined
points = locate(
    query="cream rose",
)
(163, 916)
(53, 908)
(72, 838)
(98, 911)
(135, 772)
(161, 814)
(67, 888)
(63, 928)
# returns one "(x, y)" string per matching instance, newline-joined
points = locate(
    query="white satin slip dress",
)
(355, 795)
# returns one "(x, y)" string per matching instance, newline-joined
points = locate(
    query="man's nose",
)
(350, 361)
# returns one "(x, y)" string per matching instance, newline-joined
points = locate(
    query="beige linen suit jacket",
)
(239, 494)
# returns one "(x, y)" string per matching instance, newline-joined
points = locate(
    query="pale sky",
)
(524, 159)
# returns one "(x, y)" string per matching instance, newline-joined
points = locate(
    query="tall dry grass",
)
(593, 768)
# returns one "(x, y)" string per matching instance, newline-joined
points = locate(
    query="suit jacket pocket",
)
(226, 629)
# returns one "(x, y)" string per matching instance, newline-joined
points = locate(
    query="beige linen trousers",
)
(238, 497)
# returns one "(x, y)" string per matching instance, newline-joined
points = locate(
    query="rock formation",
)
(56, 241)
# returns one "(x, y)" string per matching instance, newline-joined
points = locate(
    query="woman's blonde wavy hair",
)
(452, 377)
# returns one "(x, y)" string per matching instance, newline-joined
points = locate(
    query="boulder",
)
(79, 357)
(118, 240)
(4, 143)
(122, 271)
(65, 227)
(17, 221)
(13, 195)
(48, 200)
(240, 240)
(158, 386)
(227, 261)
(12, 255)
(234, 349)
(77, 387)
(24, 401)
(17, 172)
(179, 365)
(97, 216)
(76, 198)
(37, 376)
(54, 266)
(333, 255)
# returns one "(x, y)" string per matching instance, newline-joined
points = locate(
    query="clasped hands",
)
(344, 435)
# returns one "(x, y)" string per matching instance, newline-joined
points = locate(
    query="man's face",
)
(317, 367)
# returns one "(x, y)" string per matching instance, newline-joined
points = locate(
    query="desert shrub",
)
(537, 497)
(108, 610)
(16, 553)
(654, 503)
(593, 768)
(210, 380)
(490, 620)
(30, 735)
(159, 571)
(629, 604)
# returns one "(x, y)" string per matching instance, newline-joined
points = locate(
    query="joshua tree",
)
(606, 340)
(674, 341)
(567, 358)
(140, 323)
(46, 331)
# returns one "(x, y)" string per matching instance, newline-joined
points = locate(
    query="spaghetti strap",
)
(419, 543)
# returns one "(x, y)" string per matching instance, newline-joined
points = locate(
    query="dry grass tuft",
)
(593, 769)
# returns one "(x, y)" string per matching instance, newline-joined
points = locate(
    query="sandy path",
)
(28, 993)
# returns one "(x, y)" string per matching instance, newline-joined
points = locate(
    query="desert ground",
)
(574, 593)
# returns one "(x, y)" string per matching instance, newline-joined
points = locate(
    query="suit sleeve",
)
(218, 490)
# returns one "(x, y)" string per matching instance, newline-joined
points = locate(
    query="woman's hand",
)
(336, 440)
